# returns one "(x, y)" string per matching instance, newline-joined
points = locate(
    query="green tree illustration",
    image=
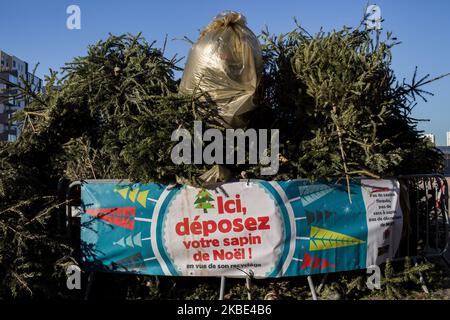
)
(203, 200)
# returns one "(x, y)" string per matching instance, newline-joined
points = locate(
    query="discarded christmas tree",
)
(339, 107)
(334, 97)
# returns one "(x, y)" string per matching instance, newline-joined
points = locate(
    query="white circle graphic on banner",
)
(224, 231)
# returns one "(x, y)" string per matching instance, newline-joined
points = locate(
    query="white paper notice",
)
(384, 219)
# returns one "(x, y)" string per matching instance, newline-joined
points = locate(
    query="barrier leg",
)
(89, 285)
(248, 286)
(312, 288)
(222, 287)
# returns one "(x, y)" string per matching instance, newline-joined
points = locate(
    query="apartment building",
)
(430, 137)
(12, 71)
(446, 152)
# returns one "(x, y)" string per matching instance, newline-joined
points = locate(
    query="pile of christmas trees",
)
(333, 96)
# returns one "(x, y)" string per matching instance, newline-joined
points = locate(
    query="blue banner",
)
(274, 229)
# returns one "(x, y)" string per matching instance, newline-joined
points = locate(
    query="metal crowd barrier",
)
(424, 200)
(425, 203)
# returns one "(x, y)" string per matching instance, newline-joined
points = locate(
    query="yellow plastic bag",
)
(225, 66)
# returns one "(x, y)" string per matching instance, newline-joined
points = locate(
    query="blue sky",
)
(36, 31)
